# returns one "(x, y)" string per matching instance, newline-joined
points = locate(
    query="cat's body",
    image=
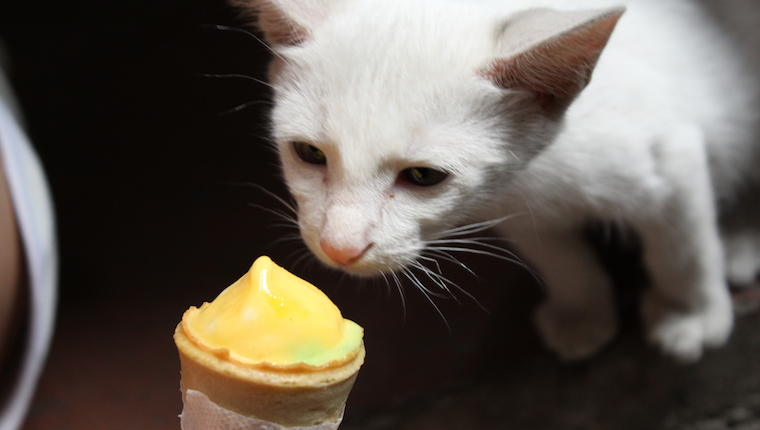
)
(397, 120)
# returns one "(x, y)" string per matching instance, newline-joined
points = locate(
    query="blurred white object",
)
(32, 204)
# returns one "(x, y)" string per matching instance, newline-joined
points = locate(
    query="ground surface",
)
(627, 387)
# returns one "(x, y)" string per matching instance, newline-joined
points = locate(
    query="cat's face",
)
(385, 143)
(391, 127)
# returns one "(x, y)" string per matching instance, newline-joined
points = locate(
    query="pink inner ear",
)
(557, 69)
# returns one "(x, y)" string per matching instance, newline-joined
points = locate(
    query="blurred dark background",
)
(159, 193)
(156, 212)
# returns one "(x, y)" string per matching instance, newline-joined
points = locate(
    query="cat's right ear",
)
(550, 54)
(286, 22)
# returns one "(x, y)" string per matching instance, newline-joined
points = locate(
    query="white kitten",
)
(397, 120)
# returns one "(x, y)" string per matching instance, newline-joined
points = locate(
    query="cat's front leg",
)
(688, 306)
(578, 316)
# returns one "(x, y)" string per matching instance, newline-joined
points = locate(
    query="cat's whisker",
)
(279, 213)
(434, 261)
(387, 283)
(439, 278)
(510, 257)
(242, 106)
(341, 279)
(475, 227)
(416, 281)
(400, 291)
(295, 32)
(426, 292)
(281, 225)
(287, 238)
(290, 206)
(442, 244)
(484, 240)
(512, 153)
(293, 254)
(471, 241)
(249, 34)
(292, 221)
(450, 258)
(304, 258)
(236, 75)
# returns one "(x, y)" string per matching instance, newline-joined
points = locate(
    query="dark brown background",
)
(152, 189)
(156, 212)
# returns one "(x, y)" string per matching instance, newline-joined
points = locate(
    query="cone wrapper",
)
(200, 413)
(224, 395)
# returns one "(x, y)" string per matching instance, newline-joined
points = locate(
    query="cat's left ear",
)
(551, 54)
(287, 22)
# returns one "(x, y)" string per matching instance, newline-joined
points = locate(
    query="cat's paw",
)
(575, 335)
(684, 334)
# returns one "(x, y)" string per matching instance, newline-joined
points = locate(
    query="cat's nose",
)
(343, 256)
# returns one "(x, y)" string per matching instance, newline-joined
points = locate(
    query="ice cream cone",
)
(297, 397)
(271, 352)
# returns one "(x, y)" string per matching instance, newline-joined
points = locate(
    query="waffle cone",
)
(289, 397)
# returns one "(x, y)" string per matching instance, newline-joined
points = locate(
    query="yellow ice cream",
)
(270, 317)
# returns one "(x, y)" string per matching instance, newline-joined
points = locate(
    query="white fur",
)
(663, 132)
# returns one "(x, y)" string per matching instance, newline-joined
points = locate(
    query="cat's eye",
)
(423, 176)
(309, 153)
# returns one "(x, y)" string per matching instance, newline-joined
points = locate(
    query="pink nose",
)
(343, 256)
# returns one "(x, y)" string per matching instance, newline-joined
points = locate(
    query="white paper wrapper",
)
(200, 413)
